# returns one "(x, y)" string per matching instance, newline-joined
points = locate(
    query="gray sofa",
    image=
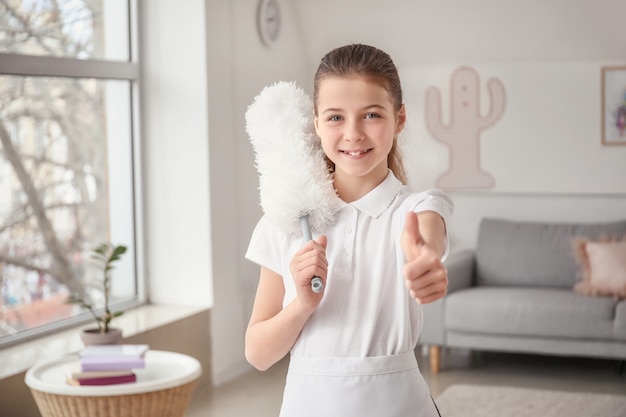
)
(514, 293)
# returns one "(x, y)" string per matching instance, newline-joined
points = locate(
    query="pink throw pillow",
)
(603, 267)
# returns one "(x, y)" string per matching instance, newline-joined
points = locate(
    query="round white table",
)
(163, 389)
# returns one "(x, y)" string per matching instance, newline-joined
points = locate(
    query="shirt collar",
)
(380, 198)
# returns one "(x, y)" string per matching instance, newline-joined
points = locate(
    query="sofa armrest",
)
(461, 266)
(461, 269)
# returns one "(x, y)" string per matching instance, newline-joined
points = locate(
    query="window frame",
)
(12, 64)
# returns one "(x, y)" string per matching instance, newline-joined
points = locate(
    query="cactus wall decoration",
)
(462, 133)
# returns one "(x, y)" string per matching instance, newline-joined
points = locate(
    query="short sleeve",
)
(265, 246)
(272, 249)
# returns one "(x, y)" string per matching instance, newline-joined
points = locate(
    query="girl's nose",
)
(352, 131)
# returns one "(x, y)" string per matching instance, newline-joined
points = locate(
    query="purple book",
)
(111, 363)
(109, 380)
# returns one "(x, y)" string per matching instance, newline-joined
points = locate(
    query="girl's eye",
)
(371, 116)
(334, 118)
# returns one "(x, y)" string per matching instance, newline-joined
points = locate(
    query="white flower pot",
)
(94, 337)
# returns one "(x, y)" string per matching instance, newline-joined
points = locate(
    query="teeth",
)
(355, 153)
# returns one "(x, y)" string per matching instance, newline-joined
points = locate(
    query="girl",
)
(352, 345)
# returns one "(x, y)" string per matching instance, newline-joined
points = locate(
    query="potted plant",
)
(106, 254)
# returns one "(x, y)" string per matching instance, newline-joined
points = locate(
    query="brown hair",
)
(363, 60)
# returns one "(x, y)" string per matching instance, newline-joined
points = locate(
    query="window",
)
(68, 152)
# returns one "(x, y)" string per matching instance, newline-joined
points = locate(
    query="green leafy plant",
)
(106, 254)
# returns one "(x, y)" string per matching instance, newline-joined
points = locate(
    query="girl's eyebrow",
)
(330, 110)
(366, 108)
(374, 107)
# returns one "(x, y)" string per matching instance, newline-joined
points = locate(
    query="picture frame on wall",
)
(614, 106)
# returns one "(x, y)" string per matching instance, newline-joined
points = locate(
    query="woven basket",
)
(171, 402)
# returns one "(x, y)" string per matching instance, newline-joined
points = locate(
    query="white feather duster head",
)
(293, 176)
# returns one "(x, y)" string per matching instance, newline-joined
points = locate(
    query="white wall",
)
(548, 140)
(175, 150)
(435, 31)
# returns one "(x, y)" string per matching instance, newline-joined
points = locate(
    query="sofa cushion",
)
(535, 312)
(523, 253)
(602, 266)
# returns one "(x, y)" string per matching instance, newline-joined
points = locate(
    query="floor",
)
(259, 393)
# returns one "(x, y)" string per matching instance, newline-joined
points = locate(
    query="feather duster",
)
(293, 176)
(296, 191)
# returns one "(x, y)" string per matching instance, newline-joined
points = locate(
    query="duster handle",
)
(316, 282)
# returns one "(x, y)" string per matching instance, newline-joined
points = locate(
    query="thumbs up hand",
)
(425, 276)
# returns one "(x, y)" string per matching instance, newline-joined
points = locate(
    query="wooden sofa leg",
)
(435, 358)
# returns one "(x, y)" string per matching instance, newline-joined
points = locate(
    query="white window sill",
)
(18, 358)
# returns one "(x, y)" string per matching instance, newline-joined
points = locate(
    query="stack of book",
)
(108, 364)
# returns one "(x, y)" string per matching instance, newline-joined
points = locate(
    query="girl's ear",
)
(316, 123)
(401, 120)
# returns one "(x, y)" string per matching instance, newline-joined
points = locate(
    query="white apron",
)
(379, 386)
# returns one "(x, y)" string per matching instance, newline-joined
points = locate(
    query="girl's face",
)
(357, 124)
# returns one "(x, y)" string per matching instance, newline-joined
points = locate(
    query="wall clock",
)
(268, 21)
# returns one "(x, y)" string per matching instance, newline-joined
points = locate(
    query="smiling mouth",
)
(357, 153)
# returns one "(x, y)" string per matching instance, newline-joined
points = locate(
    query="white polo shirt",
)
(366, 309)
